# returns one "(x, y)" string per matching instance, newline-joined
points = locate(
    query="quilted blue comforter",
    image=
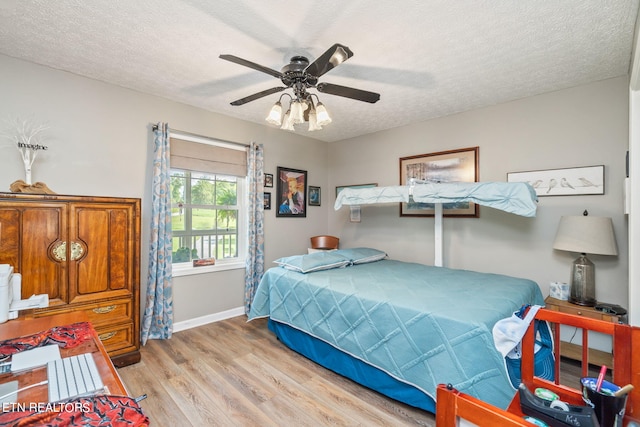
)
(422, 325)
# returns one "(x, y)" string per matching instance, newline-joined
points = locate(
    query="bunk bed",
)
(518, 198)
(400, 328)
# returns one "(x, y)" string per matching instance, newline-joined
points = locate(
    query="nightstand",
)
(573, 351)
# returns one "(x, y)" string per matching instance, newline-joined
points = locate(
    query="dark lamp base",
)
(584, 303)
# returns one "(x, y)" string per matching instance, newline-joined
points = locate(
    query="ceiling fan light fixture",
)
(322, 115)
(299, 76)
(275, 115)
(287, 123)
(313, 118)
(297, 111)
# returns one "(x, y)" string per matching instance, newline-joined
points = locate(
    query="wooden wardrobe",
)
(84, 252)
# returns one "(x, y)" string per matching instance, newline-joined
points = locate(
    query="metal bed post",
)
(438, 262)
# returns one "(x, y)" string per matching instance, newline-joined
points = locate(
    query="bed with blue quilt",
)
(396, 327)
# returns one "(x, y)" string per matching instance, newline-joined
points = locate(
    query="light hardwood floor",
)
(234, 373)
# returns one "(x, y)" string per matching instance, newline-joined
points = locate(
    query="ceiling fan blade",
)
(333, 57)
(258, 95)
(348, 92)
(253, 65)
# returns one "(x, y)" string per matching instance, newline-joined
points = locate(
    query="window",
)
(206, 217)
(208, 207)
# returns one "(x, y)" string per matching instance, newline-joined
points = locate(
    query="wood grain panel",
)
(9, 236)
(118, 248)
(91, 227)
(41, 273)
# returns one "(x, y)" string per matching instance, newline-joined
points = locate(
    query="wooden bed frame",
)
(452, 405)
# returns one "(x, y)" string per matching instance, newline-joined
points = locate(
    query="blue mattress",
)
(419, 325)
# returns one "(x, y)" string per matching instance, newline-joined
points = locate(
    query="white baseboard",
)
(209, 318)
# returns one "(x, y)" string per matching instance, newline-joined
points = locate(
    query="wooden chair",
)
(324, 242)
(452, 405)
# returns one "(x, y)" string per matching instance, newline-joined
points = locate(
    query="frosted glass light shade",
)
(287, 123)
(322, 114)
(275, 115)
(297, 111)
(313, 121)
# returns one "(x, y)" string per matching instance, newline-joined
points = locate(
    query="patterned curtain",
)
(255, 254)
(157, 322)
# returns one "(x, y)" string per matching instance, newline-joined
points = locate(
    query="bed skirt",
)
(331, 358)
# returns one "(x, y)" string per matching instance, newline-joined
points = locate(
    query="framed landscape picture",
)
(291, 193)
(444, 166)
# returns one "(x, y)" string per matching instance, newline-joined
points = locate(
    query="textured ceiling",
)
(426, 58)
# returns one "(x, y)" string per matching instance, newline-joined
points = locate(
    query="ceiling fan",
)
(300, 75)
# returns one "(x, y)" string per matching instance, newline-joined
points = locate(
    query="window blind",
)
(207, 158)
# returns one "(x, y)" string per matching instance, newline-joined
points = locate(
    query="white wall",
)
(100, 144)
(581, 126)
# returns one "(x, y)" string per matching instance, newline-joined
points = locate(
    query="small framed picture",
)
(291, 193)
(268, 180)
(266, 199)
(314, 196)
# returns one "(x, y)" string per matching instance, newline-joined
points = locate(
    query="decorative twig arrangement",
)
(28, 138)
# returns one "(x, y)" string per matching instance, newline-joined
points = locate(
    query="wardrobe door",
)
(33, 240)
(102, 239)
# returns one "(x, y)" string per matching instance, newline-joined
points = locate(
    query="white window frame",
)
(187, 268)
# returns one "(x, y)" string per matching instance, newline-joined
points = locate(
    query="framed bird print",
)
(563, 182)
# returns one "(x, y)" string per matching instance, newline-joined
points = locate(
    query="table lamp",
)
(585, 234)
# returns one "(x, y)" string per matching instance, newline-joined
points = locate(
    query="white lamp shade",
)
(322, 115)
(586, 234)
(313, 121)
(275, 115)
(287, 123)
(297, 111)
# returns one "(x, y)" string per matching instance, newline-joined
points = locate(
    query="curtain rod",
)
(155, 127)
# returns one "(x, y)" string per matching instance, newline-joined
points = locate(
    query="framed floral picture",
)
(291, 193)
(444, 166)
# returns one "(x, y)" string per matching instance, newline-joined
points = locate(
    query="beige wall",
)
(100, 144)
(582, 126)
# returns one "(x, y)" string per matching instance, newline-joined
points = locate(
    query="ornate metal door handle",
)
(59, 251)
(77, 250)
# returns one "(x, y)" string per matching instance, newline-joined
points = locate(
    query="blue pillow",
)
(313, 262)
(362, 255)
